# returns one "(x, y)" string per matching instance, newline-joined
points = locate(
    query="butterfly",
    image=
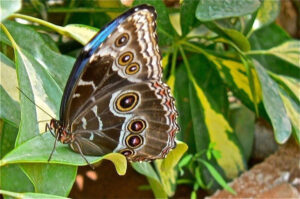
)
(114, 99)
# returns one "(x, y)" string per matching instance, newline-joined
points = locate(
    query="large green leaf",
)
(235, 75)
(230, 34)
(220, 133)
(8, 135)
(274, 105)
(63, 154)
(209, 122)
(41, 88)
(210, 125)
(293, 111)
(47, 178)
(184, 108)
(243, 122)
(29, 195)
(12, 178)
(9, 98)
(267, 13)
(290, 85)
(187, 16)
(167, 168)
(8, 8)
(266, 38)
(288, 51)
(216, 9)
(57, 65)
(36, 83)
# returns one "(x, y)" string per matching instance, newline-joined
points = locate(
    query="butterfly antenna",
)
(34, 102)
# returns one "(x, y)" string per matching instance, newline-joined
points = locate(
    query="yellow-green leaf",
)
(219, 131)
(288, 51)
(267, 13)
(234, 73)
(81, 33)
(171, 82)
(293, 112)
(274, 105)
(166, 167)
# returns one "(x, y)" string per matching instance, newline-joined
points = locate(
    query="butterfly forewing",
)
(118, 102)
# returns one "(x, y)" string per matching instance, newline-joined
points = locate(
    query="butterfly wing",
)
(116, 99)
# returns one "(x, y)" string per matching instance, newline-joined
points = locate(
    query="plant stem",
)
(54, 27)
(11, 39)
(256, 52)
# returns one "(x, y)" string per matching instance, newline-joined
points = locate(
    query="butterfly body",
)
(115, 100)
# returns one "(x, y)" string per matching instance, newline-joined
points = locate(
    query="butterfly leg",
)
(56, 139)
(79, 149)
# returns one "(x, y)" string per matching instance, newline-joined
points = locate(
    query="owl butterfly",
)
(115, 100)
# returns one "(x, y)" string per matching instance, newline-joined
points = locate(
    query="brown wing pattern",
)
(120, 103)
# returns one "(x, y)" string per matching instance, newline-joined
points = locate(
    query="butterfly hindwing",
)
(118, 102)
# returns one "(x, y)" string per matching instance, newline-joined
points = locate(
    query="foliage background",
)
(226, 62)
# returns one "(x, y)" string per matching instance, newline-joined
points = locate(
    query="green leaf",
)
(219, 132)
(48, 179)
(10, 109)
(8, 134)
(9, 96)
(216, 9)
(12, 178)
(238, 38)
(81, 33)
(146, 169)
(293, 112)
(185, 160)
(266, 38)
(217, 176)
(182, 97)
(243, 122)
(235, 75)
(230, 34)
(173, 157)
(198, 178)
(217, 129)
(288, 51)
(9, 7)
(290, 85)
(24, 153)
(187, 16)
(267, 13)
(38, 86)
(274, 105)
(166, 168)
(57, 65)
(29, 195)
(36, 83)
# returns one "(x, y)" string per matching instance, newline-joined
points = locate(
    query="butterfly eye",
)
(134, 141)
(125, 58)
(132, 69)
(127, 102)
(137, 126)
(127, 152)
(122, 40)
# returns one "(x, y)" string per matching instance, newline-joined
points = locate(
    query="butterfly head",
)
(60, 132)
